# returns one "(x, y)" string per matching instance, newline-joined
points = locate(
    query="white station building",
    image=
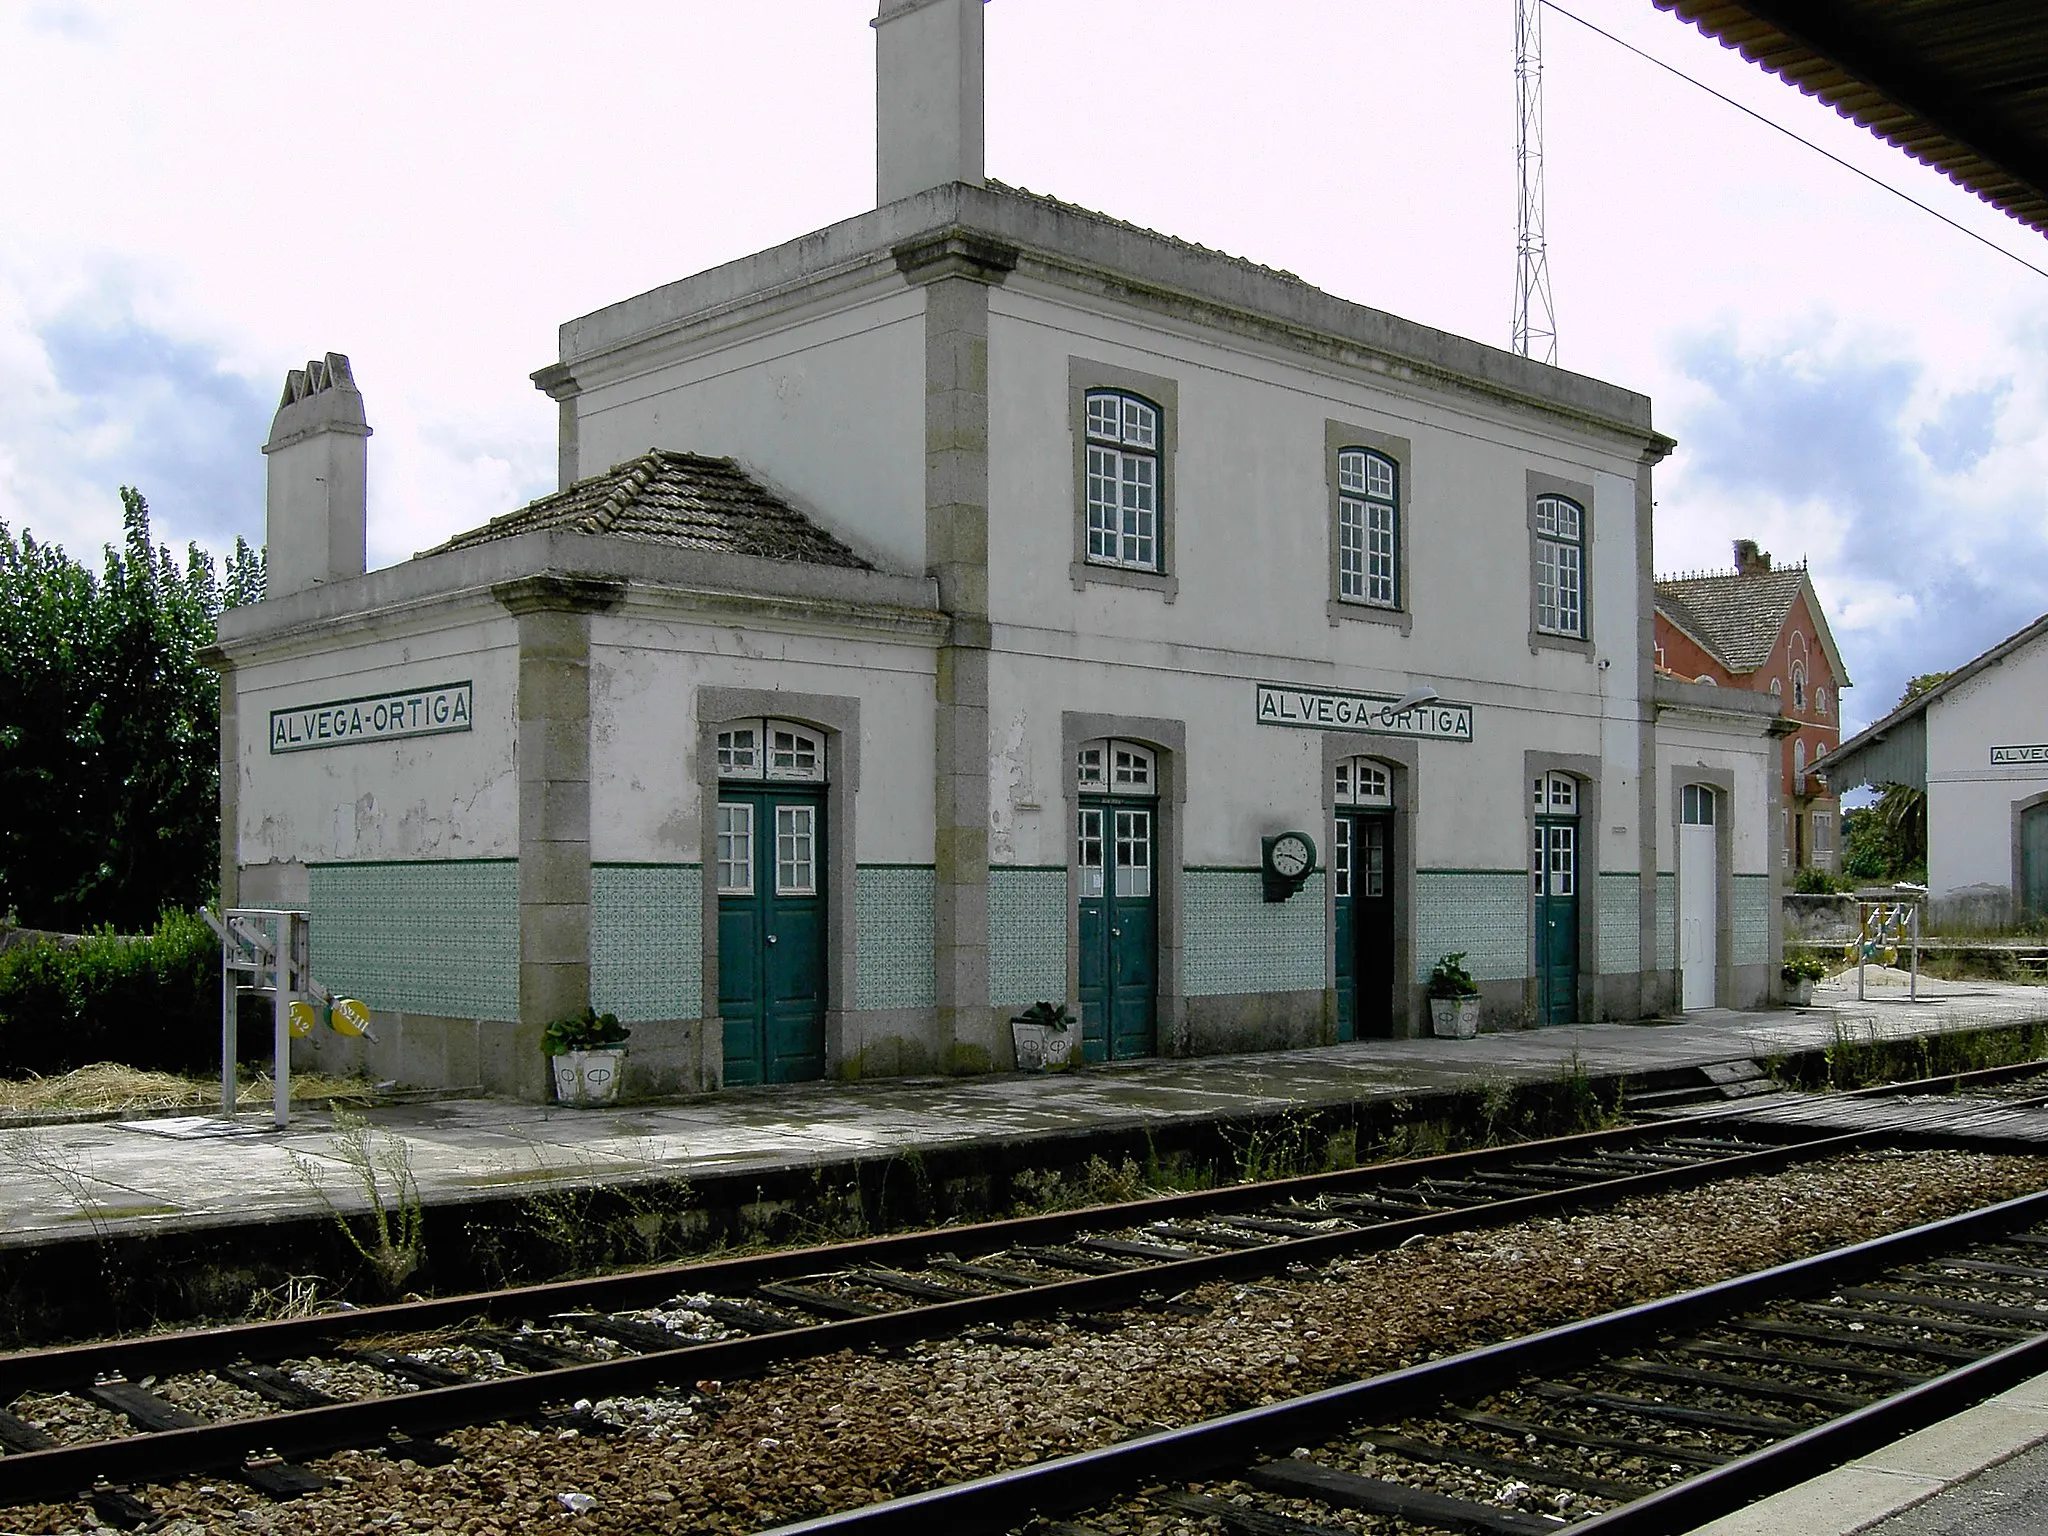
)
(950, 610)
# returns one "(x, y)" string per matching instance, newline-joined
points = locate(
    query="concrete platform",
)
(100, 1180)
(1982, 1473)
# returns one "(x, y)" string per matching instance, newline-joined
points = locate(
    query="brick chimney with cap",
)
(316, 504)
(1751, 561)
(928, 96)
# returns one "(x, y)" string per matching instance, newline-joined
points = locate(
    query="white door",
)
(1699, 891)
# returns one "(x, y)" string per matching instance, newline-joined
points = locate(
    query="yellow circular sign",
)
(299, 1017)
(350, 1017)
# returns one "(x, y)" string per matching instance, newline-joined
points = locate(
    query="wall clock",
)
(1288, 859)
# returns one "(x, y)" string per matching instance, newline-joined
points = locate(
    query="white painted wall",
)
(644, 675)
(1690, 741)
(1969, 802)
(432, 797)
(826, 404)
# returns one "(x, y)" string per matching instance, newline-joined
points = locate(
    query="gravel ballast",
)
(848, 1429)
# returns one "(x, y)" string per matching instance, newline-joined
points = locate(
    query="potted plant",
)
(1045, 1037)
(1800, 971)
(587, 1055)
(1453, 999)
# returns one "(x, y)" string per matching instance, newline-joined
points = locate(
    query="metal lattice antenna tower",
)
(1535, 319)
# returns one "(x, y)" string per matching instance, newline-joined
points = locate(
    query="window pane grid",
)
(796, 872)
(1340, 857)
(1560, 571)
(1373, 864)
(1367, 529)
(1122, 481)
(1088, 851)
(737, 756)
(735, 850)
(1134, 853)
(1350, 548)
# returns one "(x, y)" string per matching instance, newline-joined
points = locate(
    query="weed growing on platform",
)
(1858, 1056)
(41, 1155)
(396, 1245)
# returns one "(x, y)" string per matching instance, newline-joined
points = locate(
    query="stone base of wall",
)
(1259, 1021)
(882, 1042)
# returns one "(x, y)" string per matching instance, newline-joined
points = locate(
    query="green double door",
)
(2034, 860)
(1116, 845)
(1556, 902)
(771, 934)
(1362, 873)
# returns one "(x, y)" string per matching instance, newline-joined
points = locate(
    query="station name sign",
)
(432, 711)
(2013, 757)
(1318, 709)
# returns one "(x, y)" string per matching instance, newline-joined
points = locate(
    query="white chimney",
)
(316, 507)
(928, 96)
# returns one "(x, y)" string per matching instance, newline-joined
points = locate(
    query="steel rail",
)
(160, 1354)
(1004, 1500)
(153, 1456)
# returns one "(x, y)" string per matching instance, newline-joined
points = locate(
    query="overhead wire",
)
(1797, 138)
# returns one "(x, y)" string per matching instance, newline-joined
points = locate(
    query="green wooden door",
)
(1364, 940)
(771, 934)
(1556, 885)
(2034, 860)
(1115, 846)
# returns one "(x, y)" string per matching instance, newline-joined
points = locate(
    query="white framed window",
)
(735, 838)
(1555, 794)
(1554, 862)
(1823, 837)
(739, 752)
(1116, 768)
(1560, 567)
(1088, 850)
(796, 850)
(1820, 701)
(1133, 853)
(1778, 688)
(1798, 765)
(1696, 805)
(1340, 857)
(1363, 782)
(1368, 528)
(1123, 481)
(771, 749)
(1798, 686)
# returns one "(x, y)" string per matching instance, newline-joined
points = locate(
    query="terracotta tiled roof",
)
(683, 499)
(1738, 617)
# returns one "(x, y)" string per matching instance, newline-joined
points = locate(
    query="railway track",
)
(398, 1376)
(1643, 1422)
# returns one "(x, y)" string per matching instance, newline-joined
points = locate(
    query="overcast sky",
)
(202, 196)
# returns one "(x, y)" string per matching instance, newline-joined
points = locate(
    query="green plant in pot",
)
(586, 1054)
(1453, 998)
(1802, 968)
(1045, 1037)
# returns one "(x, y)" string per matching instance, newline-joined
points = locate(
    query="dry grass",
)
(107, 1086)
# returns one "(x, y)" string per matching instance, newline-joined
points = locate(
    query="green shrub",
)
(151, 1002)
(1815, 882)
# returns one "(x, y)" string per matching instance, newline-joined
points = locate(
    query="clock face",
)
(1290, 854)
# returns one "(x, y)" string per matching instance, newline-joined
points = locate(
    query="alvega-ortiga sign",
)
(432, 711)
(1321, 709)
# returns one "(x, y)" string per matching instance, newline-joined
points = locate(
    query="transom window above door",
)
(1696, 805)
(1123, 481)
(1115, 768)
(771, 749)
(1556, 794)
(1361, 781)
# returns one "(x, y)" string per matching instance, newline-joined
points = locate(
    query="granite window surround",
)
(1337, 437)
(1084, 377)
(1539, 486)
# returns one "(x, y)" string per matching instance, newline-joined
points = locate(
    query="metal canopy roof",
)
(1961, 85)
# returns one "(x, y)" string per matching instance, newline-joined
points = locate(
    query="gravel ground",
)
(848, 1429)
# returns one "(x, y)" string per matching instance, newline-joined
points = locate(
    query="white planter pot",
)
(1454, 1018)
(1041, 1048)
(1799, 993)
(588, 1079)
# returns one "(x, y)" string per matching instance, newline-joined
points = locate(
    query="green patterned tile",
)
(893, 925)
(647, 941)
(1621, 924)
(1667, 921)
(1483, 912)
(1027, 936)
(1235, 941)
(435, 937)
(1752, 919)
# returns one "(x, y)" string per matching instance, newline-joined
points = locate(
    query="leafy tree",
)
(110, 727)
(1888, 840)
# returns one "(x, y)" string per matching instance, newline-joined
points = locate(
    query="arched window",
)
(1560, 567)
(771, 749)
(1798, 685)
(1556, 794)
(1696, 805)
(1368, 528)
(1799, 765)
(1116, 768)
(1363, 782)
(1123, 480)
